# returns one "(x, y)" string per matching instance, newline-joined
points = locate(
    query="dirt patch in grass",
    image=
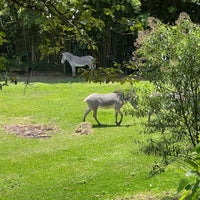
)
(85, 128)
(30, 131)
(149, 196)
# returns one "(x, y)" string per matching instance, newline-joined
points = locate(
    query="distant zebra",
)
(76, 61)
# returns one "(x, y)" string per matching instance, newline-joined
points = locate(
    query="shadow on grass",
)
(49, 78)
(109, 126)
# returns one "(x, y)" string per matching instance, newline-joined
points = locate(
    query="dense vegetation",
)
(106, 29)
(162, 40)
(171, 55)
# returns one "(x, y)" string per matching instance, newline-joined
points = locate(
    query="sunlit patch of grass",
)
(103, 165)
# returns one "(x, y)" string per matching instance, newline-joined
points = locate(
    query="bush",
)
(169, 56)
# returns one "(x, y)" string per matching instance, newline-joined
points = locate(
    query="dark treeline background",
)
(34, 33)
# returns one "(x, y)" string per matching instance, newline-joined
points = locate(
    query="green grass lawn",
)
(106, 164)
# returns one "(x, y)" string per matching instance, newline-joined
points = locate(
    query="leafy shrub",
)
(168, 55)
(191, 184)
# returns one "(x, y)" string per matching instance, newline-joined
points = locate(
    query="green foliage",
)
(169, 57)
(3, 63)
(102, 75)
(49, 27)
(191, 184)
(2, 58)
(106, 29)
(142, 91)
(2, 38)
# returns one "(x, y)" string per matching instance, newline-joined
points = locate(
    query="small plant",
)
(191, 184)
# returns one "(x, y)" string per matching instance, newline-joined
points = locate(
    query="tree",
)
(106, 29)
(168, 11)
(2, 58)
(169, 56)
(101, 28)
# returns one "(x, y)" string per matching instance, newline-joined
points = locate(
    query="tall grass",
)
(103, 165)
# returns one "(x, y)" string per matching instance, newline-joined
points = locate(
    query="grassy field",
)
(105, 164)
